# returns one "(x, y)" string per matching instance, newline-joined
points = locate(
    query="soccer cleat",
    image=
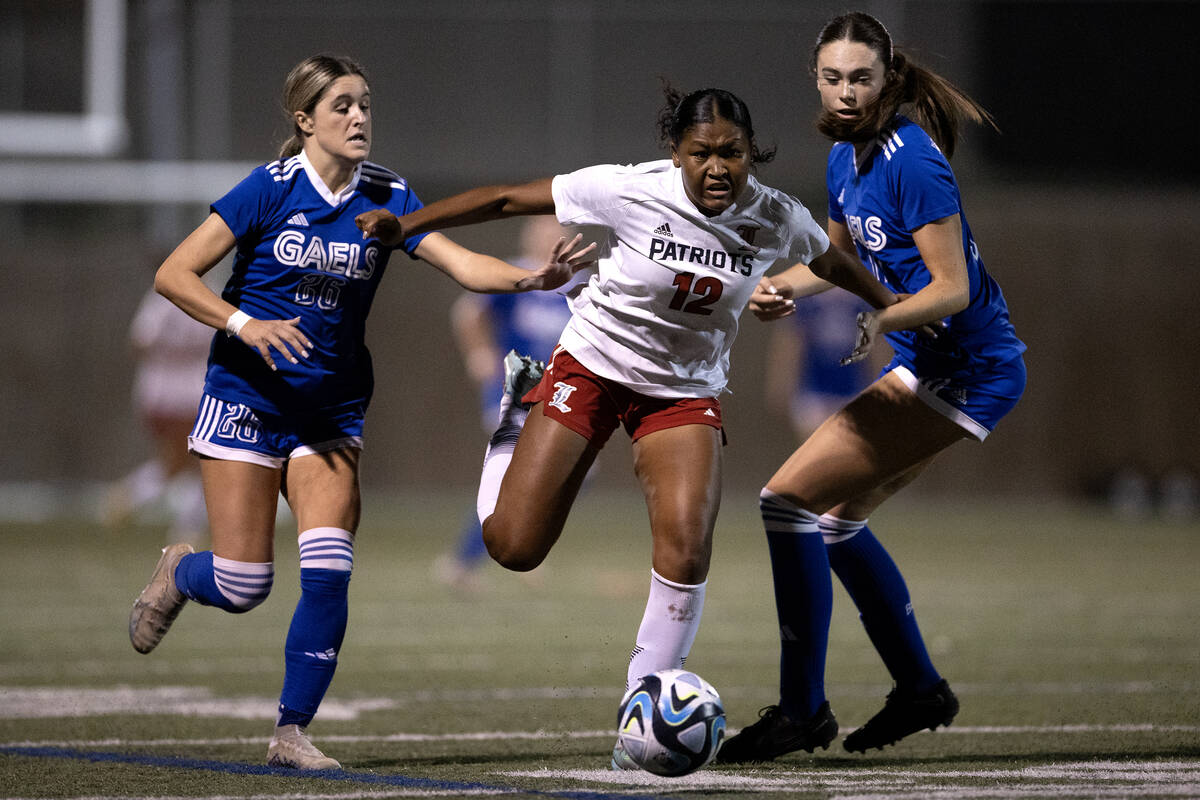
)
(775, 734)
(159, 603)
(521, 375)
(902, 714)
(621, 760)
(291, 747)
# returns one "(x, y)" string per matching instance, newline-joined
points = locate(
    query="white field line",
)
(361, 795)
(1090, 779)
(543, 735)
(1086, 779)
(21, 702)
(200, 701)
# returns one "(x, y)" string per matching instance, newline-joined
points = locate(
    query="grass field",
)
(1072, 640)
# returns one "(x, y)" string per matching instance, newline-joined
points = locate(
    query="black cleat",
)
(902, 714)
(775, 734)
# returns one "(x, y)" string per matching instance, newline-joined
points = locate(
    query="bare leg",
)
(538, 490)
(680, 473)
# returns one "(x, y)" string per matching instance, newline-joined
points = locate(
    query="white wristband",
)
(233, 325)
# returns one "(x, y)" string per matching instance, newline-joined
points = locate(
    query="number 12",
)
(708, 288)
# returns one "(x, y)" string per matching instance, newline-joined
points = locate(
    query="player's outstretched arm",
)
(842, 269)
(775, 296)
(472, 206)
(483, 273)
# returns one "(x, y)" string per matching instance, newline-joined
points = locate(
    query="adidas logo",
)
(325, 655)
(708, 412)
(299, 220)
(664, 230)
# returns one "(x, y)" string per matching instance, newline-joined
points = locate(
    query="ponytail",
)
(936, 104)
(290, 147)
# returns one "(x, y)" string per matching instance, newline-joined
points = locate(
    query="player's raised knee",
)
(508, 554)
(243, 585)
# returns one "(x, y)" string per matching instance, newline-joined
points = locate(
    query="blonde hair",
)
(305, 85)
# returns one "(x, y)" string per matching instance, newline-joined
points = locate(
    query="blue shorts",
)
(975, 402)
(236, 432)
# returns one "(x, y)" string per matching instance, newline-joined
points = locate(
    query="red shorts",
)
(593, 406)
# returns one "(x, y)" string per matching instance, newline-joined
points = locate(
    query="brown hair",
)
(934, 103)
(305, 85)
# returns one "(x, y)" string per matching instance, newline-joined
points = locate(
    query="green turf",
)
(1040, 616)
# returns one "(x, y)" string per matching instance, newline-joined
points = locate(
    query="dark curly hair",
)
(682, 111)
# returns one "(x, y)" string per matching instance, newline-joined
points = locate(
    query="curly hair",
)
(684, 110)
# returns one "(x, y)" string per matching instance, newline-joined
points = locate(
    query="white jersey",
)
(172, 357)
(661, 311)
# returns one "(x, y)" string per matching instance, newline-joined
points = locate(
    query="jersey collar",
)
(334, 200)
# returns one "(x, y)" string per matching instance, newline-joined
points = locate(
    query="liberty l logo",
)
(562, 393)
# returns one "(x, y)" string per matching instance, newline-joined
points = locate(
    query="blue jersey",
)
(825, 322)
(299, 254)
(903, 183)
(530, 322)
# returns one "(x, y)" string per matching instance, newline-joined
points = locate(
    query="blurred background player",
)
(805, 380)
(486, 327)
(171, 355)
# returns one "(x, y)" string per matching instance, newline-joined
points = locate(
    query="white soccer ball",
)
(671, 723)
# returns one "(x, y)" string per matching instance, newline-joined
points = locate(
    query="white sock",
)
(145, 484)
(668, 627)
(835, 529)
(498, 456)
(243, 584)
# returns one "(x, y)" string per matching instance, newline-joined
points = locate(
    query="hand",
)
(284, 335)
(867, 332)
(381, 224)
(565, 260)
(770, 302)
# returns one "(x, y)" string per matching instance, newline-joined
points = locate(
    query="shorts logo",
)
(942, 388)
(562, 393)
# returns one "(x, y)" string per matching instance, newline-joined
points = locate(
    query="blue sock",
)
(318, 624)
(313, 641)
(194, 579)
(232, 586)
(877, 588)
(803, 601)
(471, 549)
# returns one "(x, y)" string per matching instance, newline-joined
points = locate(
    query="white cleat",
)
(159, 603)
(291, 747)
(521, 375)
(622, 761)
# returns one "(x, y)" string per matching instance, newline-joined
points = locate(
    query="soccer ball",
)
(671, 723)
